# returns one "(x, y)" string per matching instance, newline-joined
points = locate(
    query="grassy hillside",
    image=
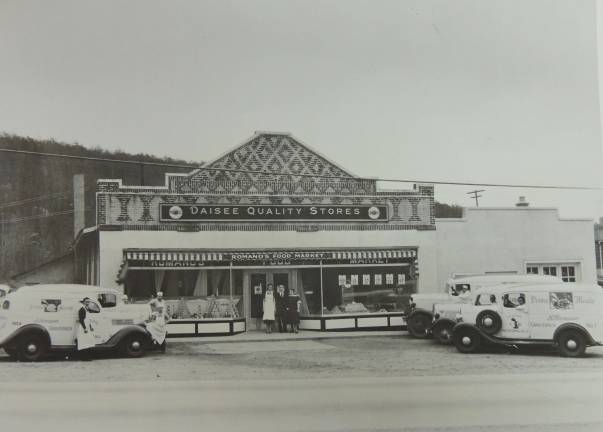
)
(34, 232)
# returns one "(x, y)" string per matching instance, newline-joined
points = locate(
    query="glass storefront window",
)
(189, 294)
(214, 293)
(309, 290)
(367, 289)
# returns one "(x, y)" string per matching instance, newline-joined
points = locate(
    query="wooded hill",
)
(34, 232)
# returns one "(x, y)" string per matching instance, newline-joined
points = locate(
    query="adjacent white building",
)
(516, 240)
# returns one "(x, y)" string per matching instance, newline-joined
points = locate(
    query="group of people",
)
(281, 306)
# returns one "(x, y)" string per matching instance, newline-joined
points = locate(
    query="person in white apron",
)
(269, 308)
(84, 333)
(157, 326)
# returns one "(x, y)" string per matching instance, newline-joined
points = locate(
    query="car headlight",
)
(458, 317)
(437, 316)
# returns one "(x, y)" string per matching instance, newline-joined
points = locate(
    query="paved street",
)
(353, 404)
(369, 383)
(390, 356)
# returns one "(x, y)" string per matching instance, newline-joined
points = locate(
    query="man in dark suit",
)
(280, 299)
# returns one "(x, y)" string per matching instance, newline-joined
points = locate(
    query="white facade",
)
(484, 240)
(513, 240)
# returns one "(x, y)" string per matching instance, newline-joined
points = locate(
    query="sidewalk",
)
(261, 336)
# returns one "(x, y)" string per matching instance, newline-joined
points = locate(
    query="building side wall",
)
(59, 271)
(494, 240)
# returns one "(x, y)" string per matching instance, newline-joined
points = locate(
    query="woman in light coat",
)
(269, 307)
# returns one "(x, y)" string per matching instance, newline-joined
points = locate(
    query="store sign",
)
(266, 212)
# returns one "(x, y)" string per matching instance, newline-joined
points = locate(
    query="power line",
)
(91, 158)
(28, 201)
(28, 218)
(33, 199)
(140, 163)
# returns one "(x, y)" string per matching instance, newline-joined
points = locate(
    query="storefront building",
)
(274, 211)
(271, 211)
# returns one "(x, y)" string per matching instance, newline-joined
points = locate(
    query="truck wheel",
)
(12, 352)
(418, 324)
(572, 343)
(31, 348)
(489, 321)
(466, 340)
(134, 345)
(442, 332)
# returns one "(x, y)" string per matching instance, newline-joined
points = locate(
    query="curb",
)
(231, 339)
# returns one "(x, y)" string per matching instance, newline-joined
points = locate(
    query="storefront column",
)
(294, 280)
(247, 296)
(321, 293)
(230, 280)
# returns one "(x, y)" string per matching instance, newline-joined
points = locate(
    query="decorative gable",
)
(272, 157)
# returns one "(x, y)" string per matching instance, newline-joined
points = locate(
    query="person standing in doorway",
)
(281, 308)
(269, 309)
(293, 309)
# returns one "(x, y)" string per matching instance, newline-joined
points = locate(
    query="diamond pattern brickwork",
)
(278, 157)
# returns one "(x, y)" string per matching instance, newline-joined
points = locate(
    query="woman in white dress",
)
(269, 308)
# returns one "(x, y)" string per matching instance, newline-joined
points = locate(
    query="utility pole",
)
(476, 195)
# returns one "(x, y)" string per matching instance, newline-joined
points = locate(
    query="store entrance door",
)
(258, 281)
(257, 290)
(281, 279)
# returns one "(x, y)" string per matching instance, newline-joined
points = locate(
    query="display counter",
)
(205, 327)
(354, 321)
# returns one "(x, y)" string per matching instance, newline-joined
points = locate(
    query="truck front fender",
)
(28, 328)
(573, 326)
(483, 335)
(115, 340)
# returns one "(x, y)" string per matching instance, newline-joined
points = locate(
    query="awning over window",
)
(364, 254)
(172, 256)
(140, 259)
(202, 256)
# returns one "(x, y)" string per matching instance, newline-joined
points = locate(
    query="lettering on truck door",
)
(99, 321)
(515, 316)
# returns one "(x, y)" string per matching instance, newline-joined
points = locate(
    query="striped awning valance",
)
(173, 256)
(137, 259)
(371, 254)
(194, 256)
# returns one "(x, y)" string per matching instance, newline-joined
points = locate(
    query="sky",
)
(497, 91)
